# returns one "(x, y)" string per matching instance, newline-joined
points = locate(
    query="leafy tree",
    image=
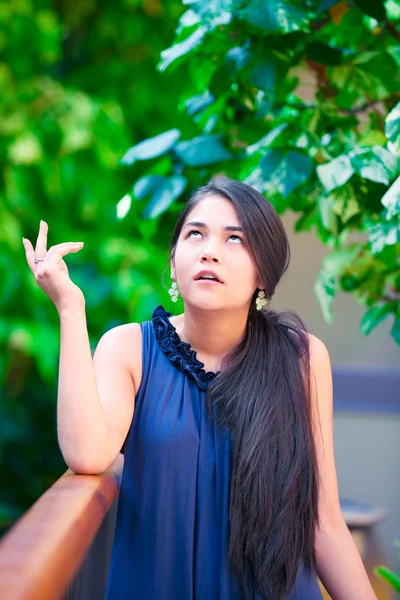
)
(334, 160)
(77, 84)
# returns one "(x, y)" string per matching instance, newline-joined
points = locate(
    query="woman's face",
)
(206, 244)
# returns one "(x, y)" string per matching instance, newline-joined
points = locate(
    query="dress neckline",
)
(180, 353)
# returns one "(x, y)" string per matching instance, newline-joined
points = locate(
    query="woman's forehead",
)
(214, 209)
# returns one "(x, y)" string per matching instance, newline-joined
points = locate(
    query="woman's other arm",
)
(339, 563)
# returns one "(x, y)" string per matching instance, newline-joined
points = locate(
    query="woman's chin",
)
(205, 303)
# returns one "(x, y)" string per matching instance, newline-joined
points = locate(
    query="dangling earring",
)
(173, 292)
(260, 300)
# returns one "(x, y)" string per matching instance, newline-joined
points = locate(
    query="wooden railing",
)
(41, 554)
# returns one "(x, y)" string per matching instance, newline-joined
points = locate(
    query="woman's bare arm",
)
(339, 563)
(95, 396)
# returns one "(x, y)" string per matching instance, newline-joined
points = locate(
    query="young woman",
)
(224, 416)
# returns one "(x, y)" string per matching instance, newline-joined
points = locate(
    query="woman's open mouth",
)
(208, 281)
(207, 276)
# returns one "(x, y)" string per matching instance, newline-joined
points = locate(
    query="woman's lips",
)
(208, 281)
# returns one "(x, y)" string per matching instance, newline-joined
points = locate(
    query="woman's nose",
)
(207, 256)
(211, 250)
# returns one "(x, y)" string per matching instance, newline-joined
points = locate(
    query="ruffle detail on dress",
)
(178, 352)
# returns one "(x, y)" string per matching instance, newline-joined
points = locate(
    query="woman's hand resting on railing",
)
(51, 274)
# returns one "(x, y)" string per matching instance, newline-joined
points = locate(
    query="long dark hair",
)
(263, 395)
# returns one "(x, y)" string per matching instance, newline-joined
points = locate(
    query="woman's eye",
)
(237, 237)
(190, 234)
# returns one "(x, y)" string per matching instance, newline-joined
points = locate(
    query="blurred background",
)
(112, 113)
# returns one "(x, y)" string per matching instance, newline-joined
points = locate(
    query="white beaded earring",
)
(173, 292)
(260, 300)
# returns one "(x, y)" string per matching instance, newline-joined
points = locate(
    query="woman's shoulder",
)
(318, 350)
(126, 333)
(295, 327)
(126, 340)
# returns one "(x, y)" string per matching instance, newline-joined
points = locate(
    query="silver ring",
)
(36, 260)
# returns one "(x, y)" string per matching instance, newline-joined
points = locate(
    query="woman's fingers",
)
(41, 242)
(51, 273)
(57, 252)
(29, 253)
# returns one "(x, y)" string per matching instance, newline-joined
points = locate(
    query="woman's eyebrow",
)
(199, 224)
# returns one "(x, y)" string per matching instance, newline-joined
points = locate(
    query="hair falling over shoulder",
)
(262, 395)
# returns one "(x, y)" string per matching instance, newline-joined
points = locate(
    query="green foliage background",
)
(78, 85)
(106, 148)
(334, 160)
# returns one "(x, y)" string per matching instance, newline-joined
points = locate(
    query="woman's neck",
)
(212, 334)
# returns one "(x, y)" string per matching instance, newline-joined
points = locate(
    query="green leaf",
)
(266, 140)
(395, 333)
(198, 103)
(374, 316)
(334, 264)
(335, 173)
(375, 164)
(308, 220)
(221, 80)
(146, 185)
(372, 137)
(169, 55)
(328, 215)
(392, 126)
(380, 65)
(321, 5)
(373, 8)
(324, 54)
(345, 203)
(393, 13)
(239, 56)
(25, 150)
(201, 72)
(187, 19)
(369, 76)
(391, 199)
(274, 16)
(263, 76)
(164, 196)
(213, 12)
(337, 261)
(124, 206)
(152, 147)
(325, 290)
(384, 234)
(202, 150)
(285, 171)
(264, 103)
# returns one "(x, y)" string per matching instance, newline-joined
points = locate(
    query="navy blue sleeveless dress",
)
(171, 532)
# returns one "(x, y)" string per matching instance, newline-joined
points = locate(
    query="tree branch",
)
(347, 111)
(360, 109)
(392, 29)
(396, 296)
(320, 24)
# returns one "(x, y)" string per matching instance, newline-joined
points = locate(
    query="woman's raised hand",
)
(51, 274)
